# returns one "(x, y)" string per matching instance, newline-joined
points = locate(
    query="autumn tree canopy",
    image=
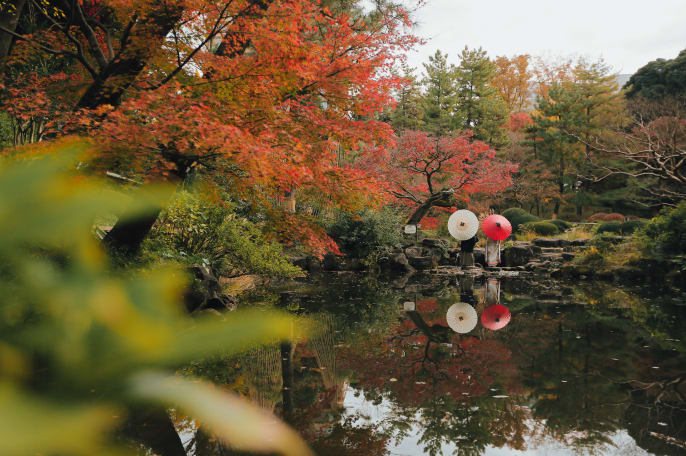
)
(264, 94)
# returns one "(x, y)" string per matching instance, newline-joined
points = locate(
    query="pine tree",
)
(408, 113)
(481, 107)
(440, 95)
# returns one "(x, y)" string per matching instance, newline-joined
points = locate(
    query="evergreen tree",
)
(482, 108)
(440, 95)
(408, 113)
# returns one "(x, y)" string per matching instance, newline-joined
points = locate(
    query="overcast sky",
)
(626, 33)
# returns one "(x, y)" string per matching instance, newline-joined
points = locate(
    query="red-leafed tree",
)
(266, 95)
(425, 171)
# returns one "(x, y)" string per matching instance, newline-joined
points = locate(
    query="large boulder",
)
(395, 262)
(414, 252)
(516, 255)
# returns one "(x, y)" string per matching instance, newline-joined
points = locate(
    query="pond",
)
(588, 368)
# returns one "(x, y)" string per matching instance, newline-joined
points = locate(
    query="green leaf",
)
(236, 421)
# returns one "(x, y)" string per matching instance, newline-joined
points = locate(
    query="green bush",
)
(362, 234)
(561, 225)
(666, 233)
(630, 226)
(609, 227)
(542, 228)
(194, 231)
(518, 216)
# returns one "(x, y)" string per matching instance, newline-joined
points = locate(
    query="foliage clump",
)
(363, 234)
(518, 216)
(542, 228)
(630, 226)
(561, 225)
(609, 227)
(195, 231)
(665, 234)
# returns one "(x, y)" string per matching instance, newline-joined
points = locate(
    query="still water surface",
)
(589, 368)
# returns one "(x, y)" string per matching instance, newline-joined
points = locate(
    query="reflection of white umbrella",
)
(461, 317)
(463, 225)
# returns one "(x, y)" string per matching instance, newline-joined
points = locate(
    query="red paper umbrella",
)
(496, 227)
(495, 317)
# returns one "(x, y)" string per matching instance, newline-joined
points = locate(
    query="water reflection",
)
(585, 369)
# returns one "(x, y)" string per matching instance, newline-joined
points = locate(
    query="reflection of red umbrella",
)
(496, 227)
(495, 317)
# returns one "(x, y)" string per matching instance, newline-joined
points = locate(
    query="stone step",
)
(552, 249)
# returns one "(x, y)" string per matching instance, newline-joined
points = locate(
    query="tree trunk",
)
(9, 21)
(443, 198)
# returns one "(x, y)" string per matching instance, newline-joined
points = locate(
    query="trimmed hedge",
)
(561, 225)
(630, 226)
(518, 216)
(609, 227)
(542, 228)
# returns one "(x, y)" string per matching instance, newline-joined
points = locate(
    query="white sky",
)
(626, 33)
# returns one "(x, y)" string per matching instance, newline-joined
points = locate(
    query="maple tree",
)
(424, 170)
(261, 95)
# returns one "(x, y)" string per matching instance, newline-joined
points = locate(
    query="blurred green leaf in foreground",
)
(82, 346)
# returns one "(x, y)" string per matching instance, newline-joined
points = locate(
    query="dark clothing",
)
(468, 245)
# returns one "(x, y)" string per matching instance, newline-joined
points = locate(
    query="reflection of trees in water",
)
(264, 377)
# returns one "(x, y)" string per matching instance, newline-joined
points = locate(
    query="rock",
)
(480, 257)
(413, 252)
(395, 263)
(205, 292)
(566, 256)
(516, 255)
(564, 243)
(580, 242)
(546, 242)
(423, 263)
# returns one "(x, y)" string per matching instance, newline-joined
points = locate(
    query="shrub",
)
(666, 233)
(609, 227)
(561, 225)
(542, 228)
(518, 216)
(362, 234)
(194, 231)
(614, 217)
(630, 226)
(597, 217)
(605, 217)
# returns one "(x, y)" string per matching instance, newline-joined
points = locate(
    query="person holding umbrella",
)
(496, 228)
(463, 226)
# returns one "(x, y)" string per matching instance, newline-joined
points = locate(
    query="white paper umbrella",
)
(463, 225)
(461, 317)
